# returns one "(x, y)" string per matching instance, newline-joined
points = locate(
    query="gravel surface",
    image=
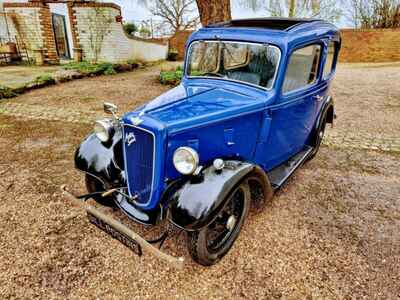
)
(331, 233)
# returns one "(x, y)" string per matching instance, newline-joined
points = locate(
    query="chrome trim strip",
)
(228, 79)
(125, 161)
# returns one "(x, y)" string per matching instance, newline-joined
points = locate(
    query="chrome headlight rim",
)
(104, 130)
(194, 156)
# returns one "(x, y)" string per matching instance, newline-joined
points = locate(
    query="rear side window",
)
(302, 69)
(328, 68)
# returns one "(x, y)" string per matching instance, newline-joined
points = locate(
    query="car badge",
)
(130, 138)
(136, 121)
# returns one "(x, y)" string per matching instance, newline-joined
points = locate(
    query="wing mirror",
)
(110, 108)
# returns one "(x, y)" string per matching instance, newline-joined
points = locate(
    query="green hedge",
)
(171, 77)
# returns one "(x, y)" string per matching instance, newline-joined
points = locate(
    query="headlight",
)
(104, 130)
(186, 160)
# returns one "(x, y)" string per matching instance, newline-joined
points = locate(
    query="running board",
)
(281, 173)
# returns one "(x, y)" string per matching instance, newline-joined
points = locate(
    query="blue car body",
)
(217, 117)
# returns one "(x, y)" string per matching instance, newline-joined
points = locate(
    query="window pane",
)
(235, 55)
(251, 63)
(302, 69)
(329, 59)
(204, 58)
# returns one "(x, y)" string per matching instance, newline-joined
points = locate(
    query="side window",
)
(329, 59)
(302, 68)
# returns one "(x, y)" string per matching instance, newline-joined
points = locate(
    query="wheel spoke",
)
(218, 232)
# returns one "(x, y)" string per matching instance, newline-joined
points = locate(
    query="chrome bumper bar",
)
(177, 262)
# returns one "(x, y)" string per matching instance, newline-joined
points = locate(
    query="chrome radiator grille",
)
(139, 162)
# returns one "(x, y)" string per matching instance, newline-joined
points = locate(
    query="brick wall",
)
(51, 55)
(380, 45)
(377, 45)
(116, 45)
(178, 42)
(31, 24)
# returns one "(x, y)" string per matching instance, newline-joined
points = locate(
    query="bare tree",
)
(99, 22)
(177, 14)
(324, 9)
(374, 13)
(214, 11)
(210, 11)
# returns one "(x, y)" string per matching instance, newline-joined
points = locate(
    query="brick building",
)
(59, 26)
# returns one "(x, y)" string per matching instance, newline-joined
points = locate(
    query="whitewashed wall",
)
(28, 24)
(116, 46)
(3, 27)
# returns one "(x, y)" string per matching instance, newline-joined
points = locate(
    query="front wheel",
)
(208, 245)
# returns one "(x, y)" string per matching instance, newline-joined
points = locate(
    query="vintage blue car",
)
(251, 109)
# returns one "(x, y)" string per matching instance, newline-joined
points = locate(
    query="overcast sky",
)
(131, 11)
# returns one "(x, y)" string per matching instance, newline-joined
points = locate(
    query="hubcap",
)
(230, 224)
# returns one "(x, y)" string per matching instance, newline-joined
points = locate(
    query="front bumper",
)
(121, 232)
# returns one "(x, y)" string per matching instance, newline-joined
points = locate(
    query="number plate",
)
(126, 240)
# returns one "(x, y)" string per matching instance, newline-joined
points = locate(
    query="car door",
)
(294, 113)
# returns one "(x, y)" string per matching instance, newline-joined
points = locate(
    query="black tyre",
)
(317, 139)
(94, 185)
(260, 189)
(210, 244)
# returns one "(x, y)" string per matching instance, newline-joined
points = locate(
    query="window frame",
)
(274, 79)
(334, 60)
(318, 74)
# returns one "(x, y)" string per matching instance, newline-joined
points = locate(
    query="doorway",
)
(60, 34)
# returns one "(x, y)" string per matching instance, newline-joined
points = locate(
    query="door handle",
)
(318, 98)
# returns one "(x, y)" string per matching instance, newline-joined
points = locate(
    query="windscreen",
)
(247, 62)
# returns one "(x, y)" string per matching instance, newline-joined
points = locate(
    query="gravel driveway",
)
(333, 232)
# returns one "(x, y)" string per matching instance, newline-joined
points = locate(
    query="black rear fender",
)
(327, 110)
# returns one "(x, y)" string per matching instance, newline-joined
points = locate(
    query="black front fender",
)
(197, 204)
(104, 161)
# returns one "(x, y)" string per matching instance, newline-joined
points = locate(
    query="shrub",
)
(6, 92)
(44, 80)
(39, 82)
(91, 69)
(130, 28)
(171, 77)
(109, 70)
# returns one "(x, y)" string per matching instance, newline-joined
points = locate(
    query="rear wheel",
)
(317, 139)
(208, 245)
(260, 189)
(94, 185)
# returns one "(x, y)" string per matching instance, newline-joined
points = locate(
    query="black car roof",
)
(284, 24)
